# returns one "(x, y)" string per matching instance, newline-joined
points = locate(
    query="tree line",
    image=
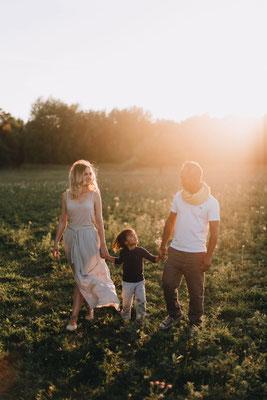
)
(60, 134)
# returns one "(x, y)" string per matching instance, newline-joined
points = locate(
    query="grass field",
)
(105, 359)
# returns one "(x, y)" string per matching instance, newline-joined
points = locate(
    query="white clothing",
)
(137, 291)
(192, 223)
(80, 213)
(81, 244)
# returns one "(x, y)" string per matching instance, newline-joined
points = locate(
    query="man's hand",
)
(162, 251)
(206, 263)
(168, 229)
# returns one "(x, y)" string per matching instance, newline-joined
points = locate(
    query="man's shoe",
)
(194, 329)
(168, 321)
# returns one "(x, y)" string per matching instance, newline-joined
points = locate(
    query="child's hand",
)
(110, 258)
(158, 259)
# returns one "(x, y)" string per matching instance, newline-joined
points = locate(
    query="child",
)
(133, 283)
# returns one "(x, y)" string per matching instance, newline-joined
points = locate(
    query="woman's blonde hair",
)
(76, 178)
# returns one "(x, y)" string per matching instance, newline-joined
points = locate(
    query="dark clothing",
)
(132, 263)
(179, 264)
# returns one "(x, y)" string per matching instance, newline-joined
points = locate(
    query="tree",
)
(11, 140)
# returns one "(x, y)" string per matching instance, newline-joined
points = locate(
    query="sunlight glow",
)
(175, 58)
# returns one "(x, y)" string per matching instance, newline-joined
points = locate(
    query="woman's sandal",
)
(72, 325)
(89, 315)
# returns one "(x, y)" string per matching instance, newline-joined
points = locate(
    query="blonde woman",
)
(84, 243)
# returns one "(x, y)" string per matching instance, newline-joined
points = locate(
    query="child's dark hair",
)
(119, 242)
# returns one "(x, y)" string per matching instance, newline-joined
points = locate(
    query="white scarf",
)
(198, 197)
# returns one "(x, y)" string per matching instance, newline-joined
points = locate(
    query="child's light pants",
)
(136, 290)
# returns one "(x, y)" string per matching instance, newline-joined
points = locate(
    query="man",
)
(194, 212)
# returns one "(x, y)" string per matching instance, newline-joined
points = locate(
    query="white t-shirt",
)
(192, 223)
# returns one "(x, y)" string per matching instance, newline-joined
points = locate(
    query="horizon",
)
(254, 118)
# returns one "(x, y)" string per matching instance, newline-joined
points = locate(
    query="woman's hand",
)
(103, 251)
(56, 251)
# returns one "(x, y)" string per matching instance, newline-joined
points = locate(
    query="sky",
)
(173, 58)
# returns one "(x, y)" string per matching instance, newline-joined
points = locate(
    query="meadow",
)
(106, 359)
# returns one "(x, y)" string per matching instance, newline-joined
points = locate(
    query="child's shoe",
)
(140, 317)
(125, 315)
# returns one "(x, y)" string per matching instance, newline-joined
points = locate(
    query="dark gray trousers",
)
(179, 264)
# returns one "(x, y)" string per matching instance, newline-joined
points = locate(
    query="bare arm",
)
(110, 258)
(62, 223)
(214, 234)
(168, 229)
(100, 225)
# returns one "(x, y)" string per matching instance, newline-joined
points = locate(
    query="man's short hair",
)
(194, 168)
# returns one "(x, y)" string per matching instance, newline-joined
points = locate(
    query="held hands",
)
(206, 263)
(162, 252)
(110, 258)
(103, 251)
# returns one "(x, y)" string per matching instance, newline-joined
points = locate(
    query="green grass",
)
(105, 359)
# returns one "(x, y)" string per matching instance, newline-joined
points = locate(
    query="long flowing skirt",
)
(90, 271)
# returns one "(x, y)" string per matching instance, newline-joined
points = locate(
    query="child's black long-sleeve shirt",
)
(132, 263)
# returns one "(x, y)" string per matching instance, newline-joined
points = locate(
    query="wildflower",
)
(151, 383)
(169, 386)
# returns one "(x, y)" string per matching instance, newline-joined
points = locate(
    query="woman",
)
(85, 245)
